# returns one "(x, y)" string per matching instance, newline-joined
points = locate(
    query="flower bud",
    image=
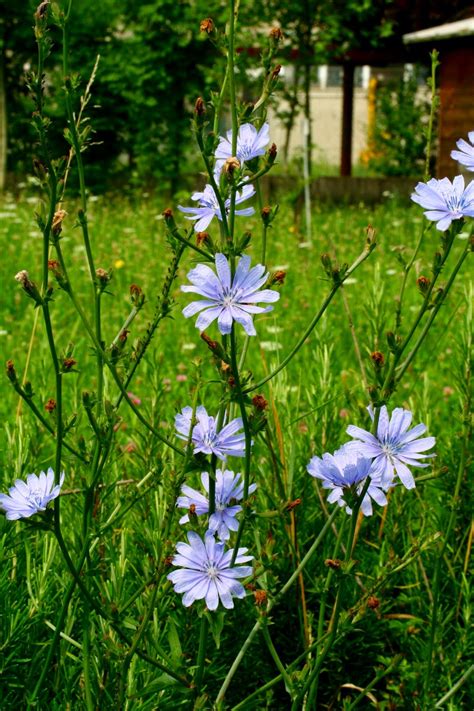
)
(50, 405)
(272, 154)
(68, 364)
(276, 71)
(259, 402)
(276, 34)
(57, 223)
(333, 563)
(103, 278)
(260, 597)
(423, 284)
(293, 504)
(169, 219)
(373, 602)
(29, 286)
(278, 277)
(11, 372)
(137, 297)
(378, 359)
(41, 10)
(199, 107)
(202, 237)
(230, 166)
(393, 342)
(207, 25)
(326, 261)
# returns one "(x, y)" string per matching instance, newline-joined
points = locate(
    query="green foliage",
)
(399, 138)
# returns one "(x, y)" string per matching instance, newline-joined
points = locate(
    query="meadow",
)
(385, 632)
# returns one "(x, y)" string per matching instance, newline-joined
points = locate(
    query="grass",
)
(384, 634)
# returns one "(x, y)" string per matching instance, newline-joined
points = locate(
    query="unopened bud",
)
(378, 359)
(333, 563)
(278, 277)
(68, 364)
(199, 107)
(326, 261)
(373, 602)
(28, 286)
(293, 504)
(259, 402)
(169, 219)
(103, 277)
(423, 284)
(276, 71)
(50, 405)
(276, 34)
(57, 224)
(393, 341)
(370, 231)
(39, 169)
(207, 25)
(202, 237)
(266, 212)
(41, 10)
(11, 372)
(260, 597)
(230, 166)
(272, 154)
(137, 297)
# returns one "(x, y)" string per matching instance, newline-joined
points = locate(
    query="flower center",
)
(212, 571)
(34, 497)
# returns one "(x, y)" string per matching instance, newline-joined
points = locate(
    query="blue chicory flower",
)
(250, 144)
(445, 201)
(205, 571)
(229, 489)
(228, 442)
(394, 446)
(228, 299)
(465, 154)
(28, 498)
(345, 473)
(209, 207)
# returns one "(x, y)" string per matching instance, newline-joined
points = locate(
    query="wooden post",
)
(347, 109)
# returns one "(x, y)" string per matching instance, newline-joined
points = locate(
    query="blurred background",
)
(352, 96)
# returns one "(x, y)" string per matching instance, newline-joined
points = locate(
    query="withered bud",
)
(11, 372)
(57, 224)
(259, 402)
(213, 345)
(333, 563)
(230, 166)
(293, 504)
(50, 405)
(276, 34)
(279, 277)
(260, 597)
(41, 10)
(202, 237)
(266, 212)
(168, 213)
(207, 25)
(23, 278)
(373, 602)
(168, 560)
(53, 265)
(378, 359)
(69, 363)
(199, 107)
(137, 297)
(370, 234)
(272, 153)
(40, 169)
(123, 336)
(276, 71)
(231, 381)
(423, 284)
(192, 511)
(103, 276)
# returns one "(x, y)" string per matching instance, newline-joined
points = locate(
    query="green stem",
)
(270, 605)
(278, 663)
(86, 651)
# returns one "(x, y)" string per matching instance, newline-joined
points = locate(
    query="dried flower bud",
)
(103, 277)
(168, 560)
(40, 169)
(57, 224)
(28, 286)
(167, 213)
(259, 402)
(333, 563)
(260, 597)
(266, 212)
(213, 345)
(41, 10)
(230, 166)
(373, 602)
(378, 359)
(50, 405)
(272, 154)
(68, 364)
(137, 297)
(278, 277)
(207, 25)
(326, 261)
(199, 107)
(276, 34)
(192, 512)
(123, 336)
(423, 284)
(276, 71)
(11, 372)
(293, 504)
(370, 235)
(202, 237)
